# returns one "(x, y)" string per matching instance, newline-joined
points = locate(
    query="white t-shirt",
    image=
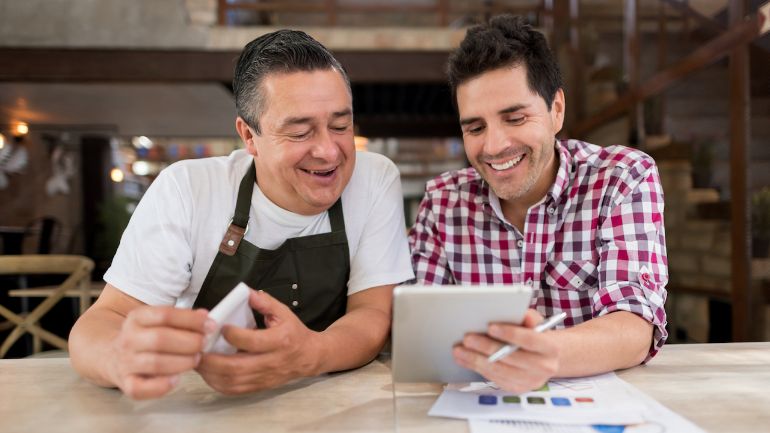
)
(174, 234)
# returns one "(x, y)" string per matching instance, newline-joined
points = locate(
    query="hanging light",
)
(21, 129)
(116, 175)
(2, 141)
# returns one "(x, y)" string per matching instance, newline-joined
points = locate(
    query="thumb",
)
(267, 305)
(532, 319)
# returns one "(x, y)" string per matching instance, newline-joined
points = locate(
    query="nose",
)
(497, 140)
(325, 148)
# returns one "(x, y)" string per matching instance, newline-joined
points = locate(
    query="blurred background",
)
(98, 96)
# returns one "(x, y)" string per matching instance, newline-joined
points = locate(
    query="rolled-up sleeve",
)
(633, 267)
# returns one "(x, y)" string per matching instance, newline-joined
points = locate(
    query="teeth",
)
(507, 165)
(320, 172)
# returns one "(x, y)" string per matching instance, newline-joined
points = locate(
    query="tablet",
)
(429, 320)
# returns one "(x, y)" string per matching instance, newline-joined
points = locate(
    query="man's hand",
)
(266, 358)
(536, 361)
(155, 345)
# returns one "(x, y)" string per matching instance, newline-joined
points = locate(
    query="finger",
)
(532, 318)
(525, 338)
(533, 362)
(156, 364)
(507, 377)
(234, 365)
(268, 306)
(166, 340)
(235, 386)
(143, 388)
(192, 320)
(221, 373)
(481, 343)
(258, 340)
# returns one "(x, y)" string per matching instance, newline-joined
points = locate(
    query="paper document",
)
(597, 404)
(589, 400)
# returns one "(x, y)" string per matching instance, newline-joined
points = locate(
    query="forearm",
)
(90, 345)
(353, 340)
(610, 342)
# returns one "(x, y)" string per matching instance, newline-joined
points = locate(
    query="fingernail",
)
(174, 381)
(210, 326)
(494, 330)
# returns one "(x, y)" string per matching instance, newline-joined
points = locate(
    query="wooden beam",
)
(741, 33)
(743, 308)
(109, 65)
(176, 66)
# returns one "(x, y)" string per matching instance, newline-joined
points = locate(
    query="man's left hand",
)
(536, 361)
(266, 358)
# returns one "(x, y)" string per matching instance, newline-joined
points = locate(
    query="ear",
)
(247, 135)
(557, 110)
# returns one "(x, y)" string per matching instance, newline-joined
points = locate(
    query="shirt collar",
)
(564, 172)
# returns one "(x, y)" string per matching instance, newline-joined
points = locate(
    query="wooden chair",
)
(79, 280)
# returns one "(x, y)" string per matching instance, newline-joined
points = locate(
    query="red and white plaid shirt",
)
(595, 243)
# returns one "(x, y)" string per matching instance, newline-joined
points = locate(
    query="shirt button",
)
(551, 210)
(520, 243)
(646, 277)
(294, 286)
(295, 303)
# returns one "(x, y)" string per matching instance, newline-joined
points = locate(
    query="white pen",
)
(510, 348)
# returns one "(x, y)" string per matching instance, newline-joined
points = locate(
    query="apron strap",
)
(240, 222)
(241, 217)
(336, 220)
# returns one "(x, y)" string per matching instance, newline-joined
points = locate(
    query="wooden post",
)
(577, 86)
(662, 61)
(443, 12)
(331, 12)
(222, 12)
(743, 307)
(631, 55)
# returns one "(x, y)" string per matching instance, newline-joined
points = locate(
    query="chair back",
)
(78, 269)
(36, 264)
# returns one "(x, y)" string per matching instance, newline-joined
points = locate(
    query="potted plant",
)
(760, 223)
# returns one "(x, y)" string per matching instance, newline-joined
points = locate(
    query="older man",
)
(298, 215)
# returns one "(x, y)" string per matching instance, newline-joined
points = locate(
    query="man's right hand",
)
(155, 345)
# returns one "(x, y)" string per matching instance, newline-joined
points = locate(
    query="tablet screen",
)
(429, 320)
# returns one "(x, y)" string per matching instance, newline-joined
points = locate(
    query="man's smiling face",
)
(508, 132)
(305, 153)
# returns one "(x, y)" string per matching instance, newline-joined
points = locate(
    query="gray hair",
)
(282, 51)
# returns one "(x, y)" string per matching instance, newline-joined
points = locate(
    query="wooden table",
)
(721, 387)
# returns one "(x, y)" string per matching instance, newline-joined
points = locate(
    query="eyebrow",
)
(289, 121)
(507, 110)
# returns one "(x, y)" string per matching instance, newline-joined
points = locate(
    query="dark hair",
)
(506, 41)
(282, 51)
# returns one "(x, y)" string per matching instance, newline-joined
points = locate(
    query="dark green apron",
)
(309, 274)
